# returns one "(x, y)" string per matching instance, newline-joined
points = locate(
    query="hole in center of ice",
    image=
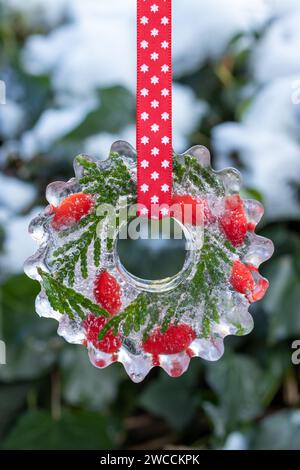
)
(152, 255)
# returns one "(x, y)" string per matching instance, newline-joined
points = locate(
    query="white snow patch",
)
(15, 195)
(236, 441)
(276, 54)
(18, 245)
(11, 119)
(52, 125)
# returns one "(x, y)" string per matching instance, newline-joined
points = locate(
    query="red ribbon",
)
(154, 106)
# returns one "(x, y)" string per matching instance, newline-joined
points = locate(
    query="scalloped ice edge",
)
(176, 364)
(138, 367)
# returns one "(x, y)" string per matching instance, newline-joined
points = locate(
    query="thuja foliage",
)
(211, 274)
(107, 184)
(203, 178)
(65, 300)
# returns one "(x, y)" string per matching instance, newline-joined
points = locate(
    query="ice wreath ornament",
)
(117, 317)
(98, 303)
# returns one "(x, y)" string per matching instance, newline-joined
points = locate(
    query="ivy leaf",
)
(12, 400)
(242, 388)
(87, 386)
(173, 400)
(116, 110)
(76, 430)
(280, 431)
(283, 296)
(32, 345)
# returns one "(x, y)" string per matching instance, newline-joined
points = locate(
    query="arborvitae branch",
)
(65, 300)
(211, 274)
(107, 185)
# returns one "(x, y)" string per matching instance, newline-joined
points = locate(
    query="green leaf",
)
(116, 110)
(75, 430)
(32, 345)
(174, 400)
(251, 193)
(12, 400)
(86, 386)
(242, 388)
(280, 431)
(283, 298)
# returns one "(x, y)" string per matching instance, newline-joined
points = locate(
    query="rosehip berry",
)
(107, 292)
(261, 285)
(71, 210)
(241, 278)
(176, 339)
(93, 325)
(191, 210)
(251, 226)
(176, 370)
(234, 221)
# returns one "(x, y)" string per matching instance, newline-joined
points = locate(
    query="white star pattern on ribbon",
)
(144, 92)
(144, 164)
(154, 115)
(154, 56)
(154, 104)
(144, 188)
(155, 151)
(164, 211)
(154, 80)
(145, 140)
(154, 175)
(154, 32)
(154, 8)
(154, 199)
(144, 20)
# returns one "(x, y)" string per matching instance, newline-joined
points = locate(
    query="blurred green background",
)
(69, 70)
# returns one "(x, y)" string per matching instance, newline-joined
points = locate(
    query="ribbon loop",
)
(154, 106)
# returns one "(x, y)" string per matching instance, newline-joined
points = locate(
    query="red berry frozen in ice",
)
(251, 226)
(234, 221)
(191, 210)
(107, 292)
(254, 211)
(260, 285)
(93, 325)
(176, 369)
(241, 278)
(71, 210)
(176, 339)
(259, 291)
